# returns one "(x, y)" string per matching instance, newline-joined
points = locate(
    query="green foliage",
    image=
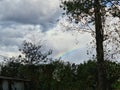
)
(84, 76)
(59, 75)
(11, 68)
(88, 78)
(113, 74)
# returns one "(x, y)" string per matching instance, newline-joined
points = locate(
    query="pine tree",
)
(96, 10)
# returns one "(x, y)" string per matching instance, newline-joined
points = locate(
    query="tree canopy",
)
(94, 11)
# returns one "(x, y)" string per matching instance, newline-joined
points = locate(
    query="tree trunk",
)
(99, 46)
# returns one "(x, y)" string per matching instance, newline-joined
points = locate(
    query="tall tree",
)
(93, 10)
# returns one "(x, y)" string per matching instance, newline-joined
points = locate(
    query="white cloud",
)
(71, 46)
(56, 39)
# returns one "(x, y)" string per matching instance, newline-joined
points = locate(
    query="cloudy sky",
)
(37, 21)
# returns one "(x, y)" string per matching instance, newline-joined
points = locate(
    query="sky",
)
(39, 21)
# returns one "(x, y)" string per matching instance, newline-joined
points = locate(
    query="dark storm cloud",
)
(30, 11)
(12, 36)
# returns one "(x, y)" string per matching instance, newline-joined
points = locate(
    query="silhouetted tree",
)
(93, 10)
(33, 53)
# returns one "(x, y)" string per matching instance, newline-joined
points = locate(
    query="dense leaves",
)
(59, 75)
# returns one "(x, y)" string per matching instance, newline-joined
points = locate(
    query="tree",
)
(95, 11)
(33, 53)
(33, 56)
(113, 74)
(65, 75)
(11, 68)
(59, 75)
(87, 75)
